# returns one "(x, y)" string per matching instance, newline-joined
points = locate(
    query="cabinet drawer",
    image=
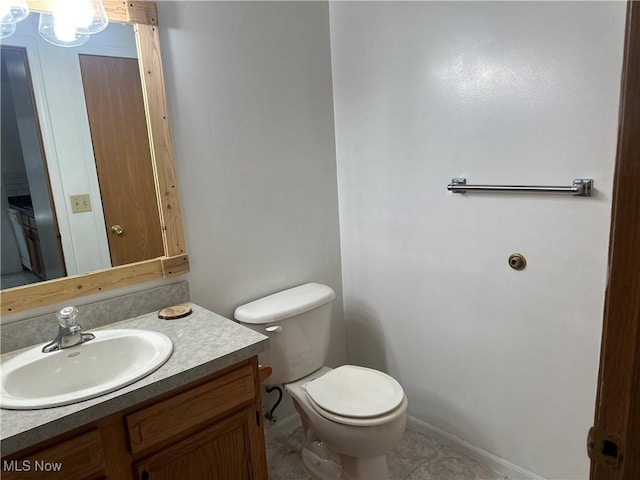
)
(80, 458)
(169, 418)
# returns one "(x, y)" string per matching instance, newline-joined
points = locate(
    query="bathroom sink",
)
(113, 359)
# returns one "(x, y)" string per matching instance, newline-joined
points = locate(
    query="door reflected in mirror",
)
(78, 188)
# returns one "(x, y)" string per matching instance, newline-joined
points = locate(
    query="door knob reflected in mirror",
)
(117, 230)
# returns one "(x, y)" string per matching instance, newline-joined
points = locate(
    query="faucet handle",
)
(67, 316)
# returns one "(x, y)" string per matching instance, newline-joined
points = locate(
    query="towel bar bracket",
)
(583, 186)
(457, 183)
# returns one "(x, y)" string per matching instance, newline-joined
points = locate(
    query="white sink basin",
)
(113, 359)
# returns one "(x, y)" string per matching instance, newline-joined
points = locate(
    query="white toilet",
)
(352, 416)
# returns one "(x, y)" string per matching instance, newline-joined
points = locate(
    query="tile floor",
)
(417, 457)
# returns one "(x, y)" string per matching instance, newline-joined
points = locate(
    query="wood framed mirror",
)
(142, 15)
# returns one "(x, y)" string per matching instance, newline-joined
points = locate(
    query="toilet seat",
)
(354, 395)
(361, 422)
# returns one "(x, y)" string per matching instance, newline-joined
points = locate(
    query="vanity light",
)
(11, 12)
(89, 15)
(71, 22)
(60, 31)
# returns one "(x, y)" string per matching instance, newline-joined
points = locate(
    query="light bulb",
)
(64, 30)
(86, 16)
(71, 22)
(62, 33)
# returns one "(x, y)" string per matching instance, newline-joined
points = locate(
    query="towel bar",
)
(581, 187)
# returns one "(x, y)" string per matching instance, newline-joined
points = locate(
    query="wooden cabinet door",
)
(221, 451)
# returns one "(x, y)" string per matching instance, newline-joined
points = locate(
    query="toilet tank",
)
(297, 323)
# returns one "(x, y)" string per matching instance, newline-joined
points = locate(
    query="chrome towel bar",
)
(581, 187)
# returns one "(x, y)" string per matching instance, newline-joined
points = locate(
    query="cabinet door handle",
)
(117, 229)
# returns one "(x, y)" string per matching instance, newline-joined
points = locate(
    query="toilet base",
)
(322, 463)
(320, 468)
(370, 468)
(319, 461)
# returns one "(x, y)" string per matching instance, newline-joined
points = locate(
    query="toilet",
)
(352, 416)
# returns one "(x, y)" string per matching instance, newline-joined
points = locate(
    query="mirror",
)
(61, 108)
(169, 257)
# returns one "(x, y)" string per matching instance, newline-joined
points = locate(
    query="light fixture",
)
(59, 31)
(71, 22)
(11, 12)
(89, 15)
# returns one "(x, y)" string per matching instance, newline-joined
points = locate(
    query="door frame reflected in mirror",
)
(143, 16)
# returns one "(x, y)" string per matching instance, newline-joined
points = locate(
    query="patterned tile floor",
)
(417, 457)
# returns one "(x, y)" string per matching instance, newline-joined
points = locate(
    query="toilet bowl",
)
(347, 442)
(352, 416)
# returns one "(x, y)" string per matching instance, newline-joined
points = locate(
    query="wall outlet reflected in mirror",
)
(80, 203)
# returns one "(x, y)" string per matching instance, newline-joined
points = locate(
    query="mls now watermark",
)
(30, 466)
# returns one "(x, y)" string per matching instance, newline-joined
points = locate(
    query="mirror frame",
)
(143, 15)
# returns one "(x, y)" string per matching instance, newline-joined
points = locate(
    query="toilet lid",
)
(357, 392)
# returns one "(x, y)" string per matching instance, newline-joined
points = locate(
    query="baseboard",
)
(492, 461)
(281, 428)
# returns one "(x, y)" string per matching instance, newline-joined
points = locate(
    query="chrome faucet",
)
(69, 333)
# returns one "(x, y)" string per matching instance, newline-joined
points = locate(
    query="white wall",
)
(505, 92)
(250, 109)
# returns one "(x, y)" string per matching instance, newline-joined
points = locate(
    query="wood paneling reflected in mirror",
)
(174, 261)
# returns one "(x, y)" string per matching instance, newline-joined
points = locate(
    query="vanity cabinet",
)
(209, 429)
